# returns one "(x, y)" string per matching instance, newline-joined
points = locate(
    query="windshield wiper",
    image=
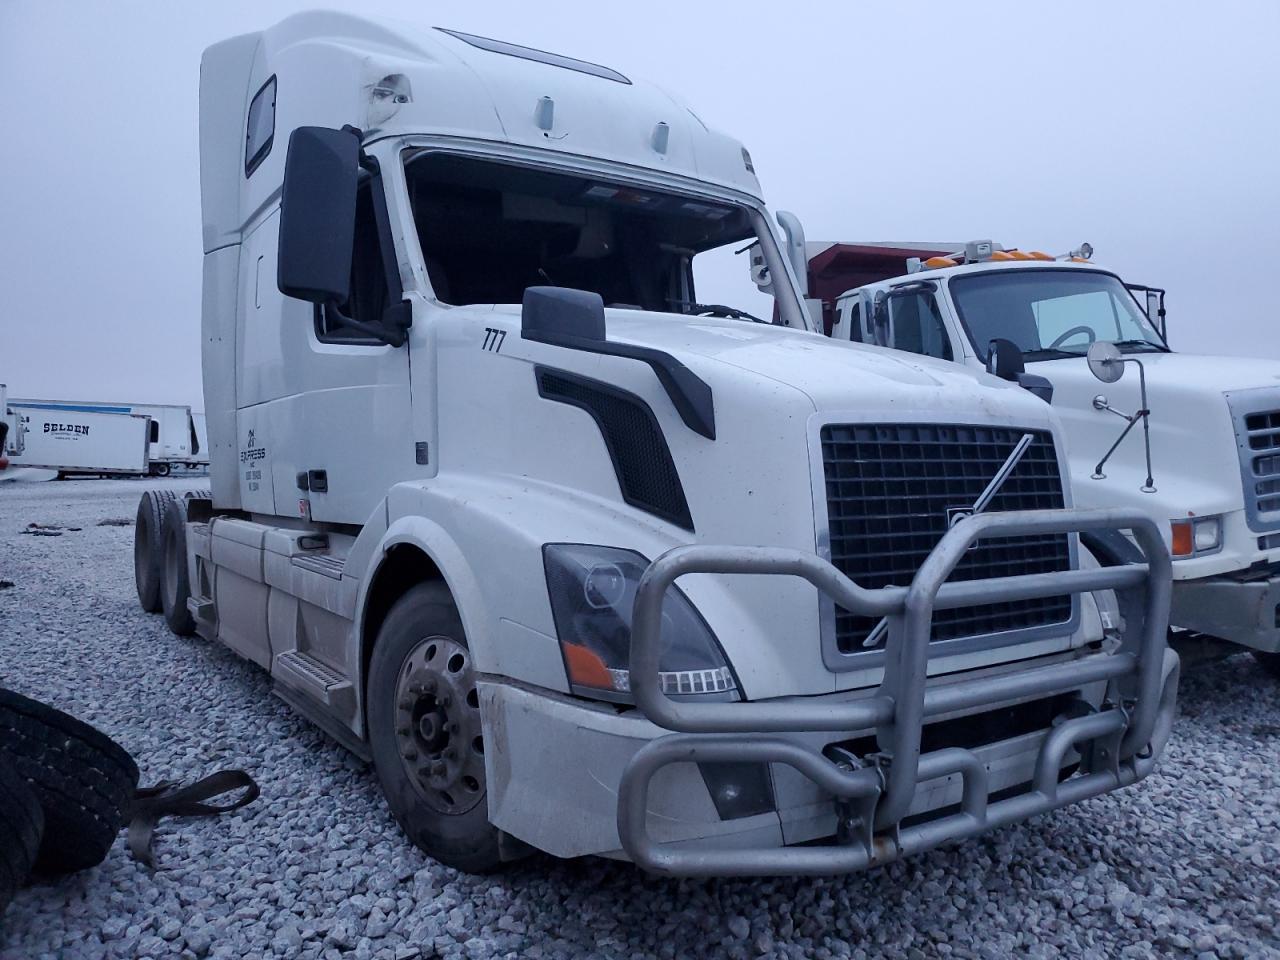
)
(715, 310)
(1141, 343)
(1049, 353)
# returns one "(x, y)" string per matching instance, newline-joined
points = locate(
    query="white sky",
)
(1149, 129)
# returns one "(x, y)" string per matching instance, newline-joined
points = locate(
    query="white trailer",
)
(172, 440)
(74, 442)
(450, 500)
(1202, 461)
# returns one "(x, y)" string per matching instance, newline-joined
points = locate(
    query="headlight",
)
(1195, 536)
(593, 590)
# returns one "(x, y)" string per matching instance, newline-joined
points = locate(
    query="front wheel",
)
(424, 731)
(1270, 662)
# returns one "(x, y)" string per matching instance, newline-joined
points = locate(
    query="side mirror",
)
(1004, 360)
(318, 214)
(760, 275)
(1106, 362)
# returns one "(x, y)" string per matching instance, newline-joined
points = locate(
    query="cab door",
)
(910, 317)
(324, 420)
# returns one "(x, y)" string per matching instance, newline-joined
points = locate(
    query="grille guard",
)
(1127, 734)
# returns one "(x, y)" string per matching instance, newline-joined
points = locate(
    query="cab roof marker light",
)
(544, 114)
(661, 137)
(938, 263)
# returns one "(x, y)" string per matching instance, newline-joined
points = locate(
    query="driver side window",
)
(917, 326)
(369, 295)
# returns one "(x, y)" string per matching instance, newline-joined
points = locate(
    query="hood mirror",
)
(1105, 361)
(1005, 360)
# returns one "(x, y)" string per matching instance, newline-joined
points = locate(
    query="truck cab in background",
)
(474, 407)
(1203, 461)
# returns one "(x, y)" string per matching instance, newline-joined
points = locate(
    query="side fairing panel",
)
(218, 356)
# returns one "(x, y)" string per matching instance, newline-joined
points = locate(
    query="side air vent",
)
(641, 459)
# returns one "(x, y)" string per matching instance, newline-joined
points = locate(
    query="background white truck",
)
(172, 441)
(450, 499)
(1205, 464)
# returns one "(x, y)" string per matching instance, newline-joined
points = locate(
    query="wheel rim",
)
(437, 724)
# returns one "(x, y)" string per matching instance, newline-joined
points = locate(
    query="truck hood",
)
(1182, 373)
(1194, 456)
(833, 374)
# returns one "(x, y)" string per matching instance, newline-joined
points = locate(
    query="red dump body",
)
(839, 267)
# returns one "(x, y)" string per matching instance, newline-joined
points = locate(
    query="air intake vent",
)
(642, 461)
(892, 489)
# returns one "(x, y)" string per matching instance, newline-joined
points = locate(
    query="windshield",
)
(490, 229)
(1051, 312)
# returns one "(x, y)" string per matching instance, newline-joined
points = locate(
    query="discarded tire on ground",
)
(21, 827)
(175, 586)
(148, 547)
(84, 781)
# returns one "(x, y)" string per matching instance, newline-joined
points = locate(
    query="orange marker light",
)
(937, 263)
(586, 667)
(1002, 255)
(1183, 540)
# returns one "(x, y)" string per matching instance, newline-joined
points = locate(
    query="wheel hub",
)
(438, 725)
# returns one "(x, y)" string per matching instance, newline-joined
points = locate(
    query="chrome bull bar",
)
(1124, 737)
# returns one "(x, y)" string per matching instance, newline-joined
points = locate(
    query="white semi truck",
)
(474, 410)
(1204, 461)
(172, 440)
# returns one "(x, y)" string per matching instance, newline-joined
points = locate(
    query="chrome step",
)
(320, 682)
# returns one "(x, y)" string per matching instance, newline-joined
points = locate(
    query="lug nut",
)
(410, 754)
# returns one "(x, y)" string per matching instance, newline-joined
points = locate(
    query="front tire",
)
(424, 731)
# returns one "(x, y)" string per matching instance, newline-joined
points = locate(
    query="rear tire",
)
(84, 780)
(1269, 662)
(21, 829)
(446, 812)
(175, 586)
(148, 547)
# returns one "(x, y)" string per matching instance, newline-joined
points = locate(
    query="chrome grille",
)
(1256, 417)
(891, 489)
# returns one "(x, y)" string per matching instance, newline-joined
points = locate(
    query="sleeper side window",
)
(369, 297)
(260, 130)
(918, 327)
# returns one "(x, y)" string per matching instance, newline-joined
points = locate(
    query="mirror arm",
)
(390, 336)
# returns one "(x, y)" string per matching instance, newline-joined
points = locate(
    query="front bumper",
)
(873, 794)
(1246, 612)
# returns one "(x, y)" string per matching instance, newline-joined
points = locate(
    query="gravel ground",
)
(1185, 863)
